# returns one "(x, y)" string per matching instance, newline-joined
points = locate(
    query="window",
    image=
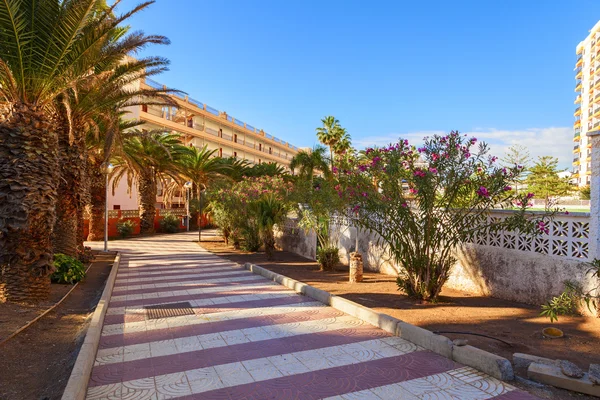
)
(145, 107)
(220, 132)
(220, 152)
(116, 207)
(190, 122)
(260, 147)
(259, 161)
(235, 154)
(270, 150)
(235, 137)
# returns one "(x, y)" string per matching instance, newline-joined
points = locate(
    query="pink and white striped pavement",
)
(250, 338)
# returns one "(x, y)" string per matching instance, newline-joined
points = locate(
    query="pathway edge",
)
(82, 370)
(492, 364)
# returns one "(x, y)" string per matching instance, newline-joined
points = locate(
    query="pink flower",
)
(473, 140)
(566, 213)
(362, 168)
(433, 170)
(355, 208)
(413, 191)
(404, 205)
(334, 170)
(530, 195)
(483, 192)
(419, 173)
(542, 227)
(364, 194)
(507, 188)
(421, 149)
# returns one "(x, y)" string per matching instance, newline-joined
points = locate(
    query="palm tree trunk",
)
(71, 194)
(147, 190)
(331, 155)
(97, 201)
(28, 182)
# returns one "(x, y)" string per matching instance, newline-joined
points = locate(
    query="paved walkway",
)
(244, 337)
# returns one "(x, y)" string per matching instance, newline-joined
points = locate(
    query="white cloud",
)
(553, 141)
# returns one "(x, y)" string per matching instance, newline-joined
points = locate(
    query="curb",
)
(492, 364)
(80, 375)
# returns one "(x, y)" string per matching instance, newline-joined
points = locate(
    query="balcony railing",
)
(577, 109)
(211, 131)
(214, 111)
(577, 70)
(596, 125)
(226, 136)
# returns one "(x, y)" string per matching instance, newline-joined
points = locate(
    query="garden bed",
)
(516, 323)
(40, 358)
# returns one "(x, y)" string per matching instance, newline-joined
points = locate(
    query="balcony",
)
(577, 100)
(577, 137)
(577, 111)
(211, 131)
(575, 125)
(596, 126)
(578, 86)
(576, 148)
(578, 73)
(575, 163)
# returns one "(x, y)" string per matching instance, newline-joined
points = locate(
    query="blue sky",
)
(500, 69)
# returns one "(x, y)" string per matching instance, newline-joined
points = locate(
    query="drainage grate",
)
(169, 310)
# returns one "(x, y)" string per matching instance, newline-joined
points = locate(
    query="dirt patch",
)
(36, 364)
(516, 323)
(15, 315)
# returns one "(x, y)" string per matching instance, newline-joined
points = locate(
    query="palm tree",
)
(44, 46)
(343, 144)
(110, 89)
(149, 160)
(202, 167)
(329, 134)
(266, 169)
(237, 168)
(269, 211)
(308, 162)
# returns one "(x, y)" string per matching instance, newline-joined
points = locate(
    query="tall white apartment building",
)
(587, 101)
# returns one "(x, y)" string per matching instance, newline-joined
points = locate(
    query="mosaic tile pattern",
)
(249, 338)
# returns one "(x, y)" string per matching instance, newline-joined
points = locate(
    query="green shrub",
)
(125, 227)
(251, 238)
(169, 223)
(68, 269)
(328, 258)
(86, 255)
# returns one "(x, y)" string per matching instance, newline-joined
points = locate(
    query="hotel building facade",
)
(199, 125)
(587, 103)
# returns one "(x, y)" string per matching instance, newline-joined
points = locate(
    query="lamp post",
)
(187, 186)
(202, 189)
(109, 169)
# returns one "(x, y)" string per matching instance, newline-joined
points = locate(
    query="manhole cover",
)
(168, 310)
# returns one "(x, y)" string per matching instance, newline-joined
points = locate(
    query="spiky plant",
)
(309, 162)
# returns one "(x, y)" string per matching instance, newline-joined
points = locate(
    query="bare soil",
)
(516, 323)
(36, 364)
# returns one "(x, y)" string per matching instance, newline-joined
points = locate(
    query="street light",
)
(202, 189)
(109, 169)
(188, 185)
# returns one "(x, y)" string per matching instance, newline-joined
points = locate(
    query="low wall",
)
(290, 237)
(498, 270)
(114, 216)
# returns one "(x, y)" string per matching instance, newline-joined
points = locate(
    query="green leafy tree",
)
(585, 193)
(424, 202)
(543, 179)
(517, 155)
